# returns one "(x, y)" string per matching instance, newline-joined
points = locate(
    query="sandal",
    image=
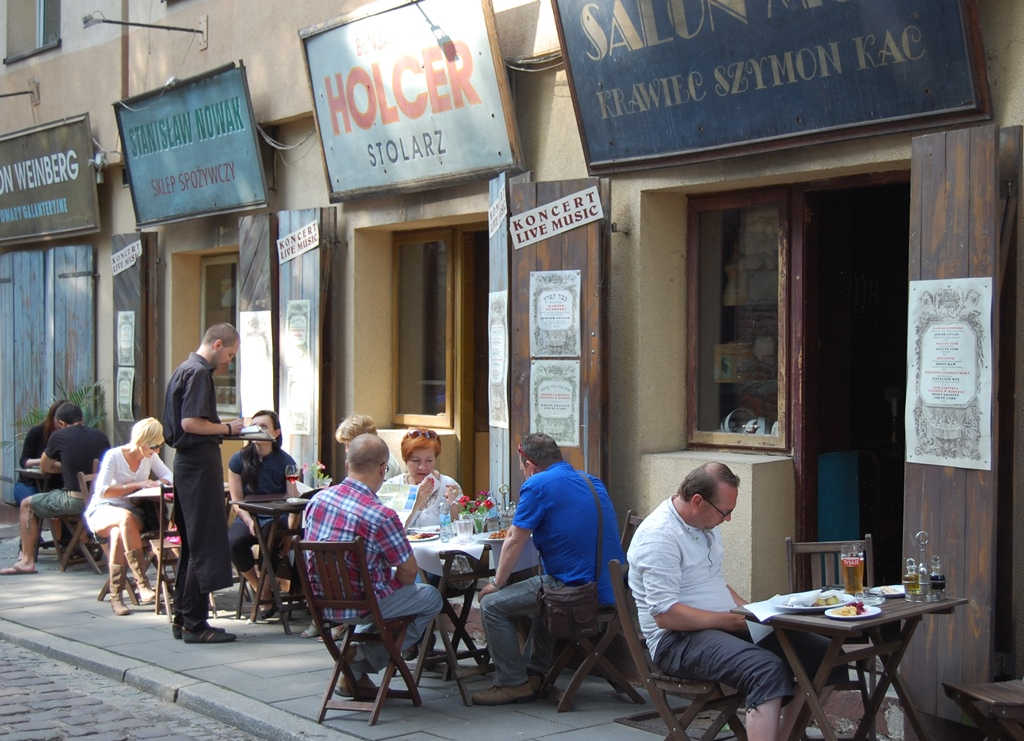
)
(207, 635)
(16, 569)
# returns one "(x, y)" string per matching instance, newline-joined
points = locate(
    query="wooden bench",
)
(996, 707)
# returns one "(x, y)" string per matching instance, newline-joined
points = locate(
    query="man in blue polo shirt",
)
(556, 507)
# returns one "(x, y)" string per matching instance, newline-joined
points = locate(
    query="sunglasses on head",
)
(429, 434)
(522, 453)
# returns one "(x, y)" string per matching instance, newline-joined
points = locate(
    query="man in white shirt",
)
(684, 603)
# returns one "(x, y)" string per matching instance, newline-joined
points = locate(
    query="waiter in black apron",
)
(193, 428)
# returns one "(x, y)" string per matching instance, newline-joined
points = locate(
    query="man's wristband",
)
(494, 583)
(228, 426)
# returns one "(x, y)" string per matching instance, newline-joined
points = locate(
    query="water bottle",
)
(445, 516)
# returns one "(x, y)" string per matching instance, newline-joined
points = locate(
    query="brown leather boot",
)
(135, 561)
(116, 585)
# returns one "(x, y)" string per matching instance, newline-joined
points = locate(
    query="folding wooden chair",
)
(704, 696)
(344, 585)
(164, 551)
(997, 708)
(629, 526)
(77, 548)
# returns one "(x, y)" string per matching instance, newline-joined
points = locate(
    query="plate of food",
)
(889, 590)
(813, 601)
(491, 536)
(853, 611)
(422, 537)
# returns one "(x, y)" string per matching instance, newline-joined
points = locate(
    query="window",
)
(737, 320)
(219, 297)
(424, 337)
(32, 26)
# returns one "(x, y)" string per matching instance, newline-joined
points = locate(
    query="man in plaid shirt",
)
(351, 509)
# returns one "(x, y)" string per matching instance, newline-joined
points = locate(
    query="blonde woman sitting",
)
(123, 470)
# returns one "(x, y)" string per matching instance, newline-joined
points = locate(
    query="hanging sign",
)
(190, 148)
(544, 222)
(47, 183)
(298, 242)
(125, 257)
(410, 98)
(655, 82)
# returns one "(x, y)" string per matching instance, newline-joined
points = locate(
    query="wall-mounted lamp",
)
(32, 92)
(91, 19)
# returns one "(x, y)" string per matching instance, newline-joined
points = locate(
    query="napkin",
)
(769, 608)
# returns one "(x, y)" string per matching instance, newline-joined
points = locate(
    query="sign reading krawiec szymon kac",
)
(662, 81)
(47, 184)
(190, 148)
(400, 106)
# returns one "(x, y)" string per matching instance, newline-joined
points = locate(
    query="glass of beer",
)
(852, 562)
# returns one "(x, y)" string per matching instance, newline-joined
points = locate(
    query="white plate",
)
(890, 590)
(297, 500)
(781, 600)
(869, 611)
(423, 537)
(486, 538)
(434, 529)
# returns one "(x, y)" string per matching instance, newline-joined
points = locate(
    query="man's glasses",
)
(715, 507)
(429, 434)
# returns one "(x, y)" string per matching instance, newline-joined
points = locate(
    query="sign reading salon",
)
(662, 81)
(409, 98)
(190, 149)
(47, 183)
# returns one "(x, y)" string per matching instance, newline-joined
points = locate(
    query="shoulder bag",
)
(569, 612)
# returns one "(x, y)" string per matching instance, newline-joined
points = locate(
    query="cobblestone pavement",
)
(45, 699)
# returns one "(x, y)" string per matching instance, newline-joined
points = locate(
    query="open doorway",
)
(859, 238)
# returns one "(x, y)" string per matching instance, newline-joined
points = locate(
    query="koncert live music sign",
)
(656, 82)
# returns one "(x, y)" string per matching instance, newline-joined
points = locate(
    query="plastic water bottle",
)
(445, 516)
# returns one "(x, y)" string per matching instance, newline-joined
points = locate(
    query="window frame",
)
(696, 206)
(41, 45)
(206, 261)
(445, 419)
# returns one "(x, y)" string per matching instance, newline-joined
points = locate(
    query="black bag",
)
(570, 612)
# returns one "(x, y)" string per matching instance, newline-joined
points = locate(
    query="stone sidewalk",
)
(266, 683)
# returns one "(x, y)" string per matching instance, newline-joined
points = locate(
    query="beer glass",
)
(852, 562)
(464, 528)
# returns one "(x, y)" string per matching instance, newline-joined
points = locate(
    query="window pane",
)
(220, 299)
(738, 315)
(422, 317)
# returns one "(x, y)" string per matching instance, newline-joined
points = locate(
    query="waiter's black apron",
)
(199, 502)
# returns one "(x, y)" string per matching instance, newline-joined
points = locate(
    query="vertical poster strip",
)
(499, 445)
(497, 374)
(256, 356)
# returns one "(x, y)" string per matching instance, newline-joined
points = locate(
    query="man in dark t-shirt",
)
(71, 450)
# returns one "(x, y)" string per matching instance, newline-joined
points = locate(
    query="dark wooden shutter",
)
(584, 248)
(74, 317)
(953, 234)
(257, 274)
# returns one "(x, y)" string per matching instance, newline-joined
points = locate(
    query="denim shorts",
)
(56, 503)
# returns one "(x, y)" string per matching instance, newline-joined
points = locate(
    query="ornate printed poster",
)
(555, 400)
(126, 338)
(298, 404)
(555, 314)
(256, 358)
(125, 384)
(497, 374)
(949, 373)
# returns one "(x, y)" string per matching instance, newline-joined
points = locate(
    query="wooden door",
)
(584, 248)
(954, 234)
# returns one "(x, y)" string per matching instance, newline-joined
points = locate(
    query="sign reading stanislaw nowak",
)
(47, 185)
(398, 108)
(192, 149)
(668, 78)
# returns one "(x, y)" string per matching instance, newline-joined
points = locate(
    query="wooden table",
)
(887, 635)
(274, 508)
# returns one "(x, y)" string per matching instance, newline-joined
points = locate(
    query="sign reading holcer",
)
(660, 81)
(191, 149)
(403, 102)
(47, 186)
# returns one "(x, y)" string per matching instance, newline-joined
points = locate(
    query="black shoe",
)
(267, 613)
(207, 634)
(176, 628)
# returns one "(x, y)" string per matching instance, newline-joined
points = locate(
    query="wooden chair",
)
(164, 551)
(704, 696)
(997, 708)
(344, 584)
(77, 548)
(629, 526)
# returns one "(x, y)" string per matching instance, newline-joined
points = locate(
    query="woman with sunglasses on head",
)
(124, 470)
(420, 451)
(258, 468)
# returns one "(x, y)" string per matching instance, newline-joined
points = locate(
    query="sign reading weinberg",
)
(190, 149)
(656, 82)
(47, 185)
(400, 106)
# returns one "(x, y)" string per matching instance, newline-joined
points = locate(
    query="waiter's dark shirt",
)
(190, 393)
(76, 447)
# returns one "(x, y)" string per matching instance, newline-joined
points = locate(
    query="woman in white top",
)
(420, 451)
(123, 470)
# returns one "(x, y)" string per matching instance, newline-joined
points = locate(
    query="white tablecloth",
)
(428, 553)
